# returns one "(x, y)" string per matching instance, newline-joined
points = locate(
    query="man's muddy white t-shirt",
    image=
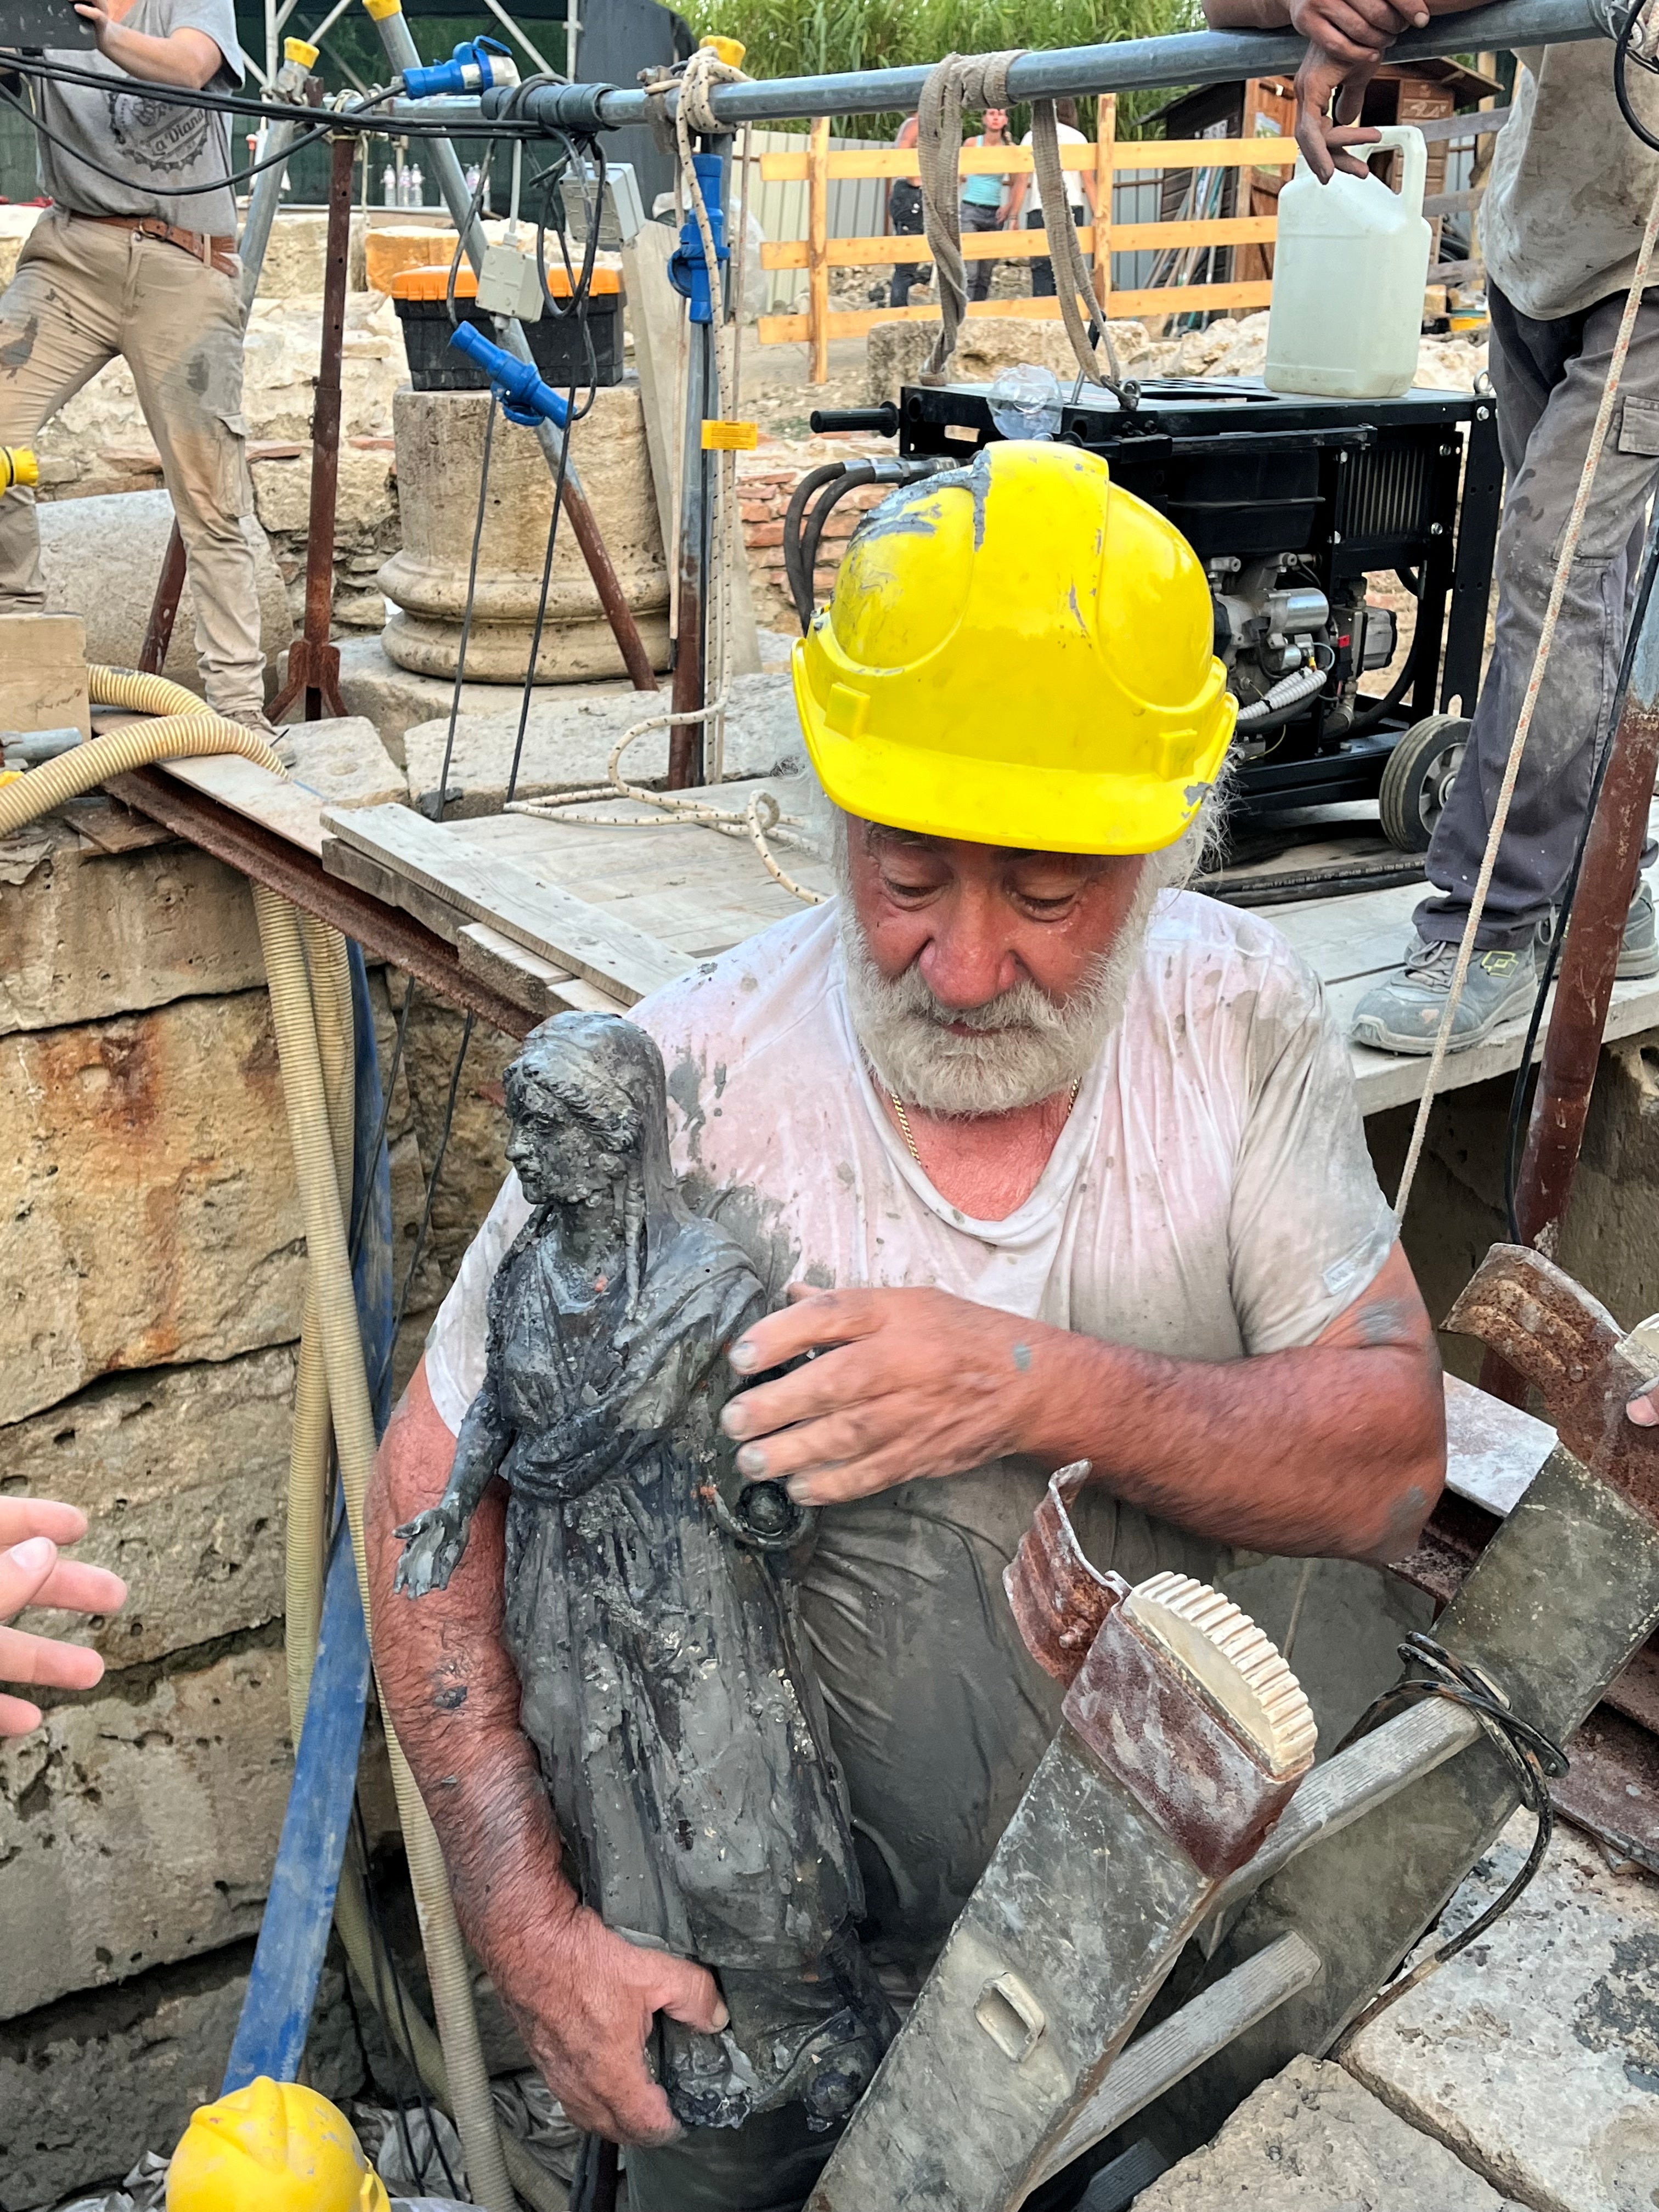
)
(1210, 1197)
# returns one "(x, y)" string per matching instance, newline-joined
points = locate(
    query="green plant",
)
(785, 38)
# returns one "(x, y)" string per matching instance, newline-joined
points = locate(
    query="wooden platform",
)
(551, 914)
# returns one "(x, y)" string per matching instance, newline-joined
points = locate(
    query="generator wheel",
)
(1418, 778)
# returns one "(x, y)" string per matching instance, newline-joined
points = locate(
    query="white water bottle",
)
(1350, 261)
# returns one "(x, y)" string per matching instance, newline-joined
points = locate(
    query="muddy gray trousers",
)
(1549, 377)
(85, 292)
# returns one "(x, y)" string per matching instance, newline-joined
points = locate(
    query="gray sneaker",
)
(1403, 1014)
(1640, 953)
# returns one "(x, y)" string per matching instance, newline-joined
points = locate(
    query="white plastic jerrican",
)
(1350, 261)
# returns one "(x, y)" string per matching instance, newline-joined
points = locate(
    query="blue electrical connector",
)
(686, 269)
(476, 65)
(525, 398)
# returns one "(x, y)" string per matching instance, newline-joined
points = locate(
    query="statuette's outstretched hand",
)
(433, 1544)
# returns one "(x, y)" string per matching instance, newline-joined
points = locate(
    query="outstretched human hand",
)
(1325, 142)
(32, 1574)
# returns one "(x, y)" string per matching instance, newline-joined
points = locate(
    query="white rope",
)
(1563, 568)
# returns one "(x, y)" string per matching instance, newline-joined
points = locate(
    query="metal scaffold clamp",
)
(476, 65)
(688, 265)
(525, 398)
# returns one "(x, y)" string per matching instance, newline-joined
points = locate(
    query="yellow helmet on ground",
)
(1019, 652)
(272, 2147)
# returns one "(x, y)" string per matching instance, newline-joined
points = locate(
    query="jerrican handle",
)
(1414, 166)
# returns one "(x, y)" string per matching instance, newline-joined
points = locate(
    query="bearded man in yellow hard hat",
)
(1046, 1159)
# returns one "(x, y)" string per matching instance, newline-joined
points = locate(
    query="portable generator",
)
(1292, 505)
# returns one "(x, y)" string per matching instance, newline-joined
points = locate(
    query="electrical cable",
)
(801, 584)
(1623, 54)
(436, 803)
(507, 126)
(1535, 1761)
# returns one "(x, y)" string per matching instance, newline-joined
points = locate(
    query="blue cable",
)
(288, 1959)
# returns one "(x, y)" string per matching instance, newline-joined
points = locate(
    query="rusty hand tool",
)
(1568, 1346)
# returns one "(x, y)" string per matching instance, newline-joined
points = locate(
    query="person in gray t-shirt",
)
(1560, 227)
(137, 257)
(155, 145)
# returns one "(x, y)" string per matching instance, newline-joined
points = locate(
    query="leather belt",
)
(218, 254)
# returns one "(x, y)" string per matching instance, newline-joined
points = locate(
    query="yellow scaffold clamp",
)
(18, 466)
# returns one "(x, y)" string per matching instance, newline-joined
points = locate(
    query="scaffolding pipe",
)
(1124, 65)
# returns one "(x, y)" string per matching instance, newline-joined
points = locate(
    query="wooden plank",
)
(607, 950)
(1016, 161)
(1172, 299)
(1023, 244)
(1105, 138)
(287, 810)
(817, 233)
(367, 874)
(538, 986)
(1177, 2046)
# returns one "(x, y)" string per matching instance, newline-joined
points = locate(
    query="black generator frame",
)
(1351, 487)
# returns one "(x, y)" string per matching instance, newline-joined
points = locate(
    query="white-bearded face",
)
(1014, 1049)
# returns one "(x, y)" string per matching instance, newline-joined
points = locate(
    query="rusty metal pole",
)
(1589, 957)
(164, 607)
(313, 663)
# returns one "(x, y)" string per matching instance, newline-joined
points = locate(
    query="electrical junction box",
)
(509, 284)
(621, 213)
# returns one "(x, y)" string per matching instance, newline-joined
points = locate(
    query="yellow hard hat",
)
(1019, 652)
(272, 2147)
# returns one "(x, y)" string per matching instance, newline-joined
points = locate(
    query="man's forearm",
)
(453, 1697)
(186, 59)
(1334, 1449)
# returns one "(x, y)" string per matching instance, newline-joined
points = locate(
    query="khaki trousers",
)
(84, 293)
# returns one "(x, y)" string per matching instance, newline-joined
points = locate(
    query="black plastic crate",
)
(555, 341)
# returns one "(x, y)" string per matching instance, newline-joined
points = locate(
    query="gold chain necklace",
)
(904, 1119)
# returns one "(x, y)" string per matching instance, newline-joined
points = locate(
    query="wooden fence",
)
(819, 253)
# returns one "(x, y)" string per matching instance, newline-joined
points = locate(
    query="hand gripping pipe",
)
(310, 1011)
(1124, 65)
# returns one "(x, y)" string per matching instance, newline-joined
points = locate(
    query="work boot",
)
(1638, 953)
(1403, 1014)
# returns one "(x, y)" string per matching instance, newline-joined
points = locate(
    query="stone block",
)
(440, 436)
(1534, 2054)
(102, 556)
(15, 224)
(139, 1824)
(390, 247)
(567, 744)
(86, 934)
(475, 1164)
(344, 763)
(894, 352)
(90, 2084)
(182, 1473)
(146, 1180)
(296, 256)
(395, 699)
(1312, 2140)
(43, 672)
